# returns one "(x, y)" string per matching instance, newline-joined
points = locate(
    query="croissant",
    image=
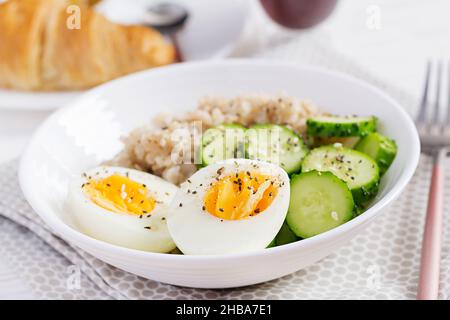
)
(40, 50)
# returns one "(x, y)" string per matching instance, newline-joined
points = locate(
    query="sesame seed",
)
(334, 215)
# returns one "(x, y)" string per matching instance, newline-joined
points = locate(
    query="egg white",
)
(124, 229)
(196, 231)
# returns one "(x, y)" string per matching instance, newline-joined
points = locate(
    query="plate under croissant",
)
(88, 131)
(197, 39)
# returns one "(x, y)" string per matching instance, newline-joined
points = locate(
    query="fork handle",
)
(432, 236)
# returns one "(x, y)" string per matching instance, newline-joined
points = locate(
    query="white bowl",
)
(87, 131)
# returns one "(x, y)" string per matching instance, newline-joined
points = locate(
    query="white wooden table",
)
(390, 38)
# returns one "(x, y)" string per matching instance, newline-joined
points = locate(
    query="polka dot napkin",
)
(381, 263)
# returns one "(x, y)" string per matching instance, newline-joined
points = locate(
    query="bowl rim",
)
(86, 242)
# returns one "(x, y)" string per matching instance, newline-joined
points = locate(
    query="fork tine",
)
(435, 116)
(421, 117)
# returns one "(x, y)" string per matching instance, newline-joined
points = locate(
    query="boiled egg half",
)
(123, 206)
(233, 206)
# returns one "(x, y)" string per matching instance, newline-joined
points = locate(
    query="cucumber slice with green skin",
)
(222, 142)
(272, 244)
(358, 170)
(320, 201)
(276, 144)
(331, 126)
(348, 142)
(357, 211)
(380, 148)
(285, 235)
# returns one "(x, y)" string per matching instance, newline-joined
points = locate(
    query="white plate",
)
(88, 130)
(210, 33)
(34, 101)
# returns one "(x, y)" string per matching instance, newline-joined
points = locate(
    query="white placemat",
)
(381, 263)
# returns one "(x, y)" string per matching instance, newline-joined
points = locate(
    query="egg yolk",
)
(240, 196)
(120, 194)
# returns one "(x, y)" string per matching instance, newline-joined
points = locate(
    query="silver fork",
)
(434, 131)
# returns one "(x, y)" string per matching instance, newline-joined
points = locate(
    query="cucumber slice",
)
(358, 170)
(320, 201)
(331, 126)
(357, 211)
(380, 148)
(285, 235)
(276, 144)
(272, 244)
(348, 142)
(222, 142)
